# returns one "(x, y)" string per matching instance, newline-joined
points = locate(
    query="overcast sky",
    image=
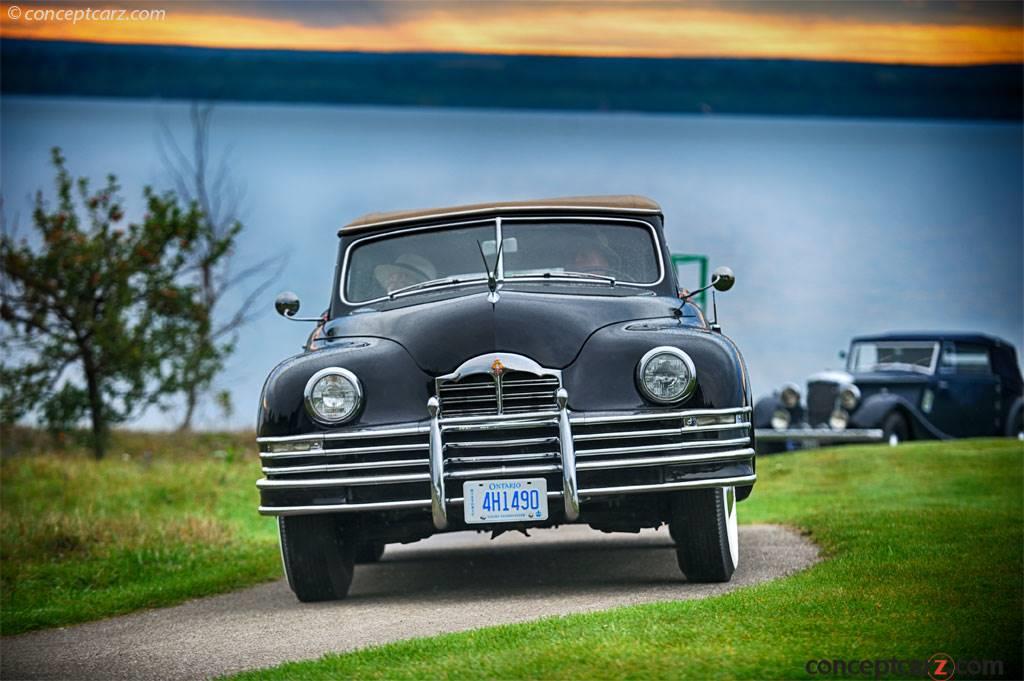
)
(884, 31)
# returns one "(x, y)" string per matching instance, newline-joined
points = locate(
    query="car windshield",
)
(625, 252)
(583, 252)
(893, 356)
(378, 267)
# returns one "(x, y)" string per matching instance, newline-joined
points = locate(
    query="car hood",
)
(550, 328)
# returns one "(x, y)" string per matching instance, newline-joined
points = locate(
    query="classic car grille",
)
(821, 400)
(388, 468)
(480, 394)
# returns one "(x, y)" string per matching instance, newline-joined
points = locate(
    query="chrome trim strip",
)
(303, 483)
(665, 460)
(500, 418)
(668, 486)
(594, 418)
(438, 512)
(570, 494)
(345, 508)
(498, 425)
(517, 420)
(289, 438)
(458, 501)
(502, 471)
(504, 458)
(373, 449)
(659, 432)
(820, 435)
(331, 467)
(666, 447)
(501, 443)
(420, 429)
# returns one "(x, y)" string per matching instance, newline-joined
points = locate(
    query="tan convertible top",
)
(617, 204)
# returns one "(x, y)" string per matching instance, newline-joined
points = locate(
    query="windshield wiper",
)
(428, 284)
(584, 276)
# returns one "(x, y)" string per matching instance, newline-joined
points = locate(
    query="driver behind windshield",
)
(407, 270)
(594, 258)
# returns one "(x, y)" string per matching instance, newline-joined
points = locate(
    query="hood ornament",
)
(497, 368)
(492, 275)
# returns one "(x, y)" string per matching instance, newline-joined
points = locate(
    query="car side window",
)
(966, 358)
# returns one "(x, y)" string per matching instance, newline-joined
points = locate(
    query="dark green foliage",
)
(96, 310)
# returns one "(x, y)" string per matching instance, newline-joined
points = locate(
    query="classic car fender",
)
(1013, 415)
(395, 389)
(603, 375)
(763, 410)
(874, 409)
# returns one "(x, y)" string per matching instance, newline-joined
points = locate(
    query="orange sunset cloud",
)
(595, 29)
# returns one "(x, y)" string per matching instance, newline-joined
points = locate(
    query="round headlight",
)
(666, 375)
(790, 395)
(849, 397)
(333, 395)
(838, 419)
(780, 419)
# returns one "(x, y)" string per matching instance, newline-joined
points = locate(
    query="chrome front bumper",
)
(815, 436)
(679, 449)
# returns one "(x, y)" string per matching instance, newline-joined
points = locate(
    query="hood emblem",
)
(497, 368)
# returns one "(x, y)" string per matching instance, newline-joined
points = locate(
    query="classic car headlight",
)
(790, 395)
(666, 375)
(849, 397)
(839, 419)
(780, 419)
(333, 395)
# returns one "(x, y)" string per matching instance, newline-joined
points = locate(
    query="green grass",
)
(923, 552)
(164, 518)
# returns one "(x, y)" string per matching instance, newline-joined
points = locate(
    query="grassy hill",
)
(735, 86)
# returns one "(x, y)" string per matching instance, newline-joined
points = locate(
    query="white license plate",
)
(505, 501)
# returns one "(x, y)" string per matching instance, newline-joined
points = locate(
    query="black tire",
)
(895, 424)
(369, 552)
(317, 561)
(706, 549)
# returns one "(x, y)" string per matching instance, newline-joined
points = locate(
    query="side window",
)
(966, 358)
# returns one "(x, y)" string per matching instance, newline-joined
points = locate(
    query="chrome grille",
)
(821, 400)
(510, 393)
(389, 468)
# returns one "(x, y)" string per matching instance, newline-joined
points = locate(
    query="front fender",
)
(872, 412)
(395, 389)
(603, 375)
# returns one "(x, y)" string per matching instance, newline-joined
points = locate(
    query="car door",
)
(966, 392)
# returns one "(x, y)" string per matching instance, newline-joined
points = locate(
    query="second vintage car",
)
(901, 386)
(502, 367)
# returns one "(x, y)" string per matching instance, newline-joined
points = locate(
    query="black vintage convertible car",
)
(901, 386)
(505, 366)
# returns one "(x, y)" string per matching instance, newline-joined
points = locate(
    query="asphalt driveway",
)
(446, 583)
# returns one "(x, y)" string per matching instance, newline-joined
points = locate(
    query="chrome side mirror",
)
(723, 279)
(287, 304)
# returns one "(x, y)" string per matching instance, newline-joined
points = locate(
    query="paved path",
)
(446, 583)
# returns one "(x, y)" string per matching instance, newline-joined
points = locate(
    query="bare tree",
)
(209, 183)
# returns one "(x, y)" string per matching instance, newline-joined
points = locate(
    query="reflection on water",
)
(833, 227)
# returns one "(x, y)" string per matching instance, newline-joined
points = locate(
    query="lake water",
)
(833, 227)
